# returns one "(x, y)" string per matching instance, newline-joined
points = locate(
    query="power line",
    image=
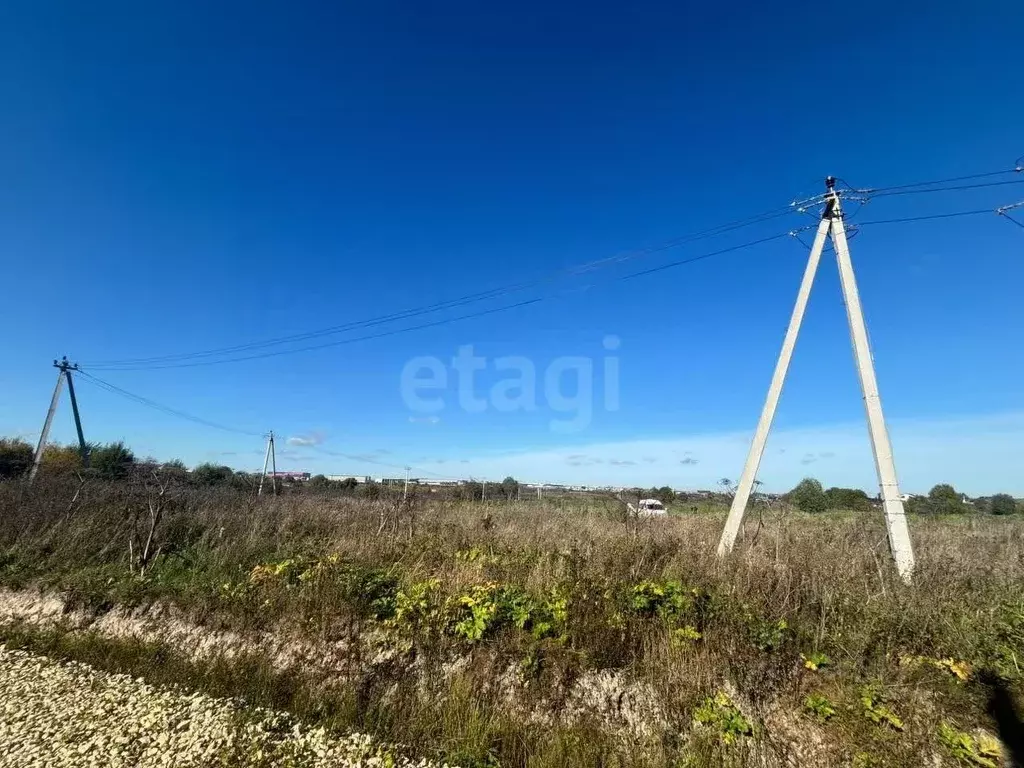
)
(446, 321)
(1003, 212)
(970, 177)
(162, 408)
(459, 301)
(952, 215)
(956, 188)
(167, 360)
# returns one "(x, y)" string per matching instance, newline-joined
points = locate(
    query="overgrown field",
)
(541, 633)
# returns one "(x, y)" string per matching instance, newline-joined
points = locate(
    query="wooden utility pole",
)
(64, 369)
(831, 225)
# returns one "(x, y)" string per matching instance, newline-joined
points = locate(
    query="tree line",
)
(942, 499)
(115, 461)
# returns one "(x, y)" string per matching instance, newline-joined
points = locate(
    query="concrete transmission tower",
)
(271, 460)
(64, 369)
(831, 225)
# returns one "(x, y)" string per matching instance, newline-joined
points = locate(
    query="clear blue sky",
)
(182, 176)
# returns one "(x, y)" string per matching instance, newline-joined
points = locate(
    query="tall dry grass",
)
(797, 587)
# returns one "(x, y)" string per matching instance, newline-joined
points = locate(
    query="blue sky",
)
(180, 177)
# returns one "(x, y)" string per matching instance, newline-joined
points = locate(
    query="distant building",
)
(296, 476)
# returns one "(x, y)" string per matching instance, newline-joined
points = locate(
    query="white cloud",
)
(313, 438)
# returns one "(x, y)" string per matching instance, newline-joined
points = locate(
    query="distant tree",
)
(471, 490)
(175, 468)
(847, 498)
(808, 496)
(15, 457)
(1002, 504)
(944, 499)
(664, 494)
(211, 474)
(319, 481)
(510, 487)
(917, 505)
(58, 459)
(370, 490)
(112, 461)
(243, 481)
(348, 484)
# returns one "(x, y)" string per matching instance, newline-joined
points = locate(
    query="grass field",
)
(541, 633)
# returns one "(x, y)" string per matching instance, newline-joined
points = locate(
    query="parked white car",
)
(649, 508)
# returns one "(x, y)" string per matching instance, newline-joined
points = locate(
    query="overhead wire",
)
(928, 217)
(165, 361)
(458, 301)
(1018, 168)
(1003, 212)
(446, 320)
(112, 388)
(957, 188)
(145, 401)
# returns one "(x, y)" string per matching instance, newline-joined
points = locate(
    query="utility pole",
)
(271, 456)
(405, 493)
(273, 464)
(831, 225)
(483, 491)
(64, 369)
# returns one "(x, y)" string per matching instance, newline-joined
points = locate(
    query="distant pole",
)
(405, 493)
(273, 463)
(266, 463)
(483, 491)
(38, 458)
(896, 523)
(67, 368)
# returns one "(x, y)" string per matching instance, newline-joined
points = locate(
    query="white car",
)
(650, 508)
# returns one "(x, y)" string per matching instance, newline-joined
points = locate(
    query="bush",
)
(211, 474)
(847, 498)
(944, 499)
(15, 458)
(112, 461)
(808, 496)
(1002, 504)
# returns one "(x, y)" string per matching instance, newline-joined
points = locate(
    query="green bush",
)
(15, 458)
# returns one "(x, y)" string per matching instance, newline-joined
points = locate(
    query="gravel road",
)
(64, 715)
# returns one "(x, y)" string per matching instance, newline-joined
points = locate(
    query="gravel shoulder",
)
(65, 714)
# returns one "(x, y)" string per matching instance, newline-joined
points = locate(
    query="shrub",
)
(808, 496)
(15, 458)
(1002, 504)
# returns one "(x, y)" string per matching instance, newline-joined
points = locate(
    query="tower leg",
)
(895, 517)
(764, 425)
(41, 447)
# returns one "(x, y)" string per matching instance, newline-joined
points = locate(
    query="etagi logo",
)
(567, 385)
